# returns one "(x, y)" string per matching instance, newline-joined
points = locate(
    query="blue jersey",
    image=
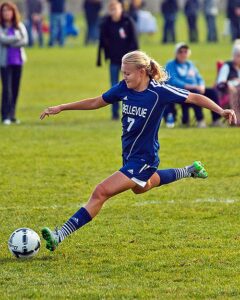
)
(142, 113)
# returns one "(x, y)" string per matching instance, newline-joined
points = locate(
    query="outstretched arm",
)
(205, 102)
(87, 104)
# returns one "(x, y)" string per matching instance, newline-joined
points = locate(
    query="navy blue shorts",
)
(139, 171)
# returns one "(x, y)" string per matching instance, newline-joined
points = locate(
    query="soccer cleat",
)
(199, 170)
(51, 237)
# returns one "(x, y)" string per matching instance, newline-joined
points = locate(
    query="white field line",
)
(140, 203)
(207, 200)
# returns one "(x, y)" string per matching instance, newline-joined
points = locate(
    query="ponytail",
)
(142, 60)
(157, 72)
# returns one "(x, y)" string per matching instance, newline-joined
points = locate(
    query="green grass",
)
(176, 242)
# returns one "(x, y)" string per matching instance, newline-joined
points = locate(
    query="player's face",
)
(132, 75)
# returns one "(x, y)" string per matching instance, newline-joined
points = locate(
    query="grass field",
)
(181, 241)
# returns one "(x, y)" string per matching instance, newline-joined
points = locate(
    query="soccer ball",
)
(24, 243)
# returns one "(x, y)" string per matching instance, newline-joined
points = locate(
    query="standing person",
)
(57, 22)
(117, 37)
(135, 6)
(191, 10)
(169, 9)
(13, 37)
(34, 10)
(184, 74)
(210, 12)
(144, 95)
(233, 13)
(229, 80)
(92, 9)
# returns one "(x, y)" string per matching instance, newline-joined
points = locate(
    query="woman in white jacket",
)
(13, 37)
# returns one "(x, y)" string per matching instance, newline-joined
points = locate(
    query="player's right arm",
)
(87, 104)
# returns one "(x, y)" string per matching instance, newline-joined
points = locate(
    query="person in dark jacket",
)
(92, 9)
(117, 37)
(34, 10)
(169, 9)
(191, 10)
(57, 22)
(233, 14)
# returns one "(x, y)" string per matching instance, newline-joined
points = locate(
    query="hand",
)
(51, 111)
(201, 89)
(230, 115)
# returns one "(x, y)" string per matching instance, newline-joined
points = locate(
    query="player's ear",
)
(142, 71)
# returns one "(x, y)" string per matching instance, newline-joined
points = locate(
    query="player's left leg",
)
(162, 177)
(113, 185)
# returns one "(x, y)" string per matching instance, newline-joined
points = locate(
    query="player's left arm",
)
(205, 102)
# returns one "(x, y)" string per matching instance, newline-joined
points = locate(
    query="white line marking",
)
(207, 200)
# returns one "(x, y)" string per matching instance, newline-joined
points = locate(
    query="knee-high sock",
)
(171, 175)
(79, 219)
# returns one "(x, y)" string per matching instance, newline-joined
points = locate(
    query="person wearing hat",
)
(184, 74)
(228, 80)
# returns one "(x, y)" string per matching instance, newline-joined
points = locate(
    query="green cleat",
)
(51, 238)
(199, 170)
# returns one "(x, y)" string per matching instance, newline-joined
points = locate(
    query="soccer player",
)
(144, 95)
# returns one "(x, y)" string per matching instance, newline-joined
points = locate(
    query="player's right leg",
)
(162, 177)
(113, 185)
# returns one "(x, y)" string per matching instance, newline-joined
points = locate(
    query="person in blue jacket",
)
(184, 74)
(144, 96)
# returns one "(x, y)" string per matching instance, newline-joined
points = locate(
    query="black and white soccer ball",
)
(24, 243)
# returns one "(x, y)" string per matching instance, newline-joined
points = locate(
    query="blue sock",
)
(79, 219)
(171, 175)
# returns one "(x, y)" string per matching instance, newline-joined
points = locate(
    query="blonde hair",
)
(142, 60)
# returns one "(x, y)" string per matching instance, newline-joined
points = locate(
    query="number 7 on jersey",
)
(131, 122)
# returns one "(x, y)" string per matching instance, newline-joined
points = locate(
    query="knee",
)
(137, 190)
(100, 193)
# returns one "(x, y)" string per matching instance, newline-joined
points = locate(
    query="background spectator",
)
(191, 10)
(229, 80)
(169, 9)
(233, 13)
(135, 6)
(117, 37)
(13, 36)
(92, 9)
(57, 22)
(184, 74)
(34, 10)
(210, 12)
